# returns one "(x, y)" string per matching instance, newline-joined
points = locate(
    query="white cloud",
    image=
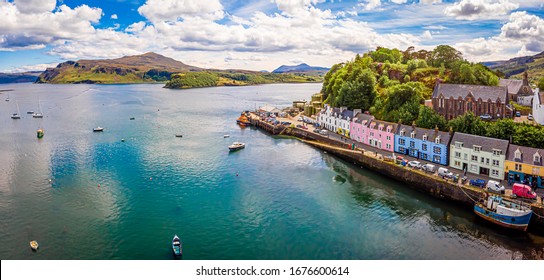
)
(435, 27)
(172, 10)
(430, 1)
(26, 68)
(35, 6)
(296, 61)
(523, 34)
(480, 9)
(427, 35)
(371, 4)
(399, 1)
(114, 16)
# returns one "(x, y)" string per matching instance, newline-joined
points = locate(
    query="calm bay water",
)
(109, 199)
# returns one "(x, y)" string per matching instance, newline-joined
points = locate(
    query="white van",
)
(444, 173)
(428, 168)
(494, 186)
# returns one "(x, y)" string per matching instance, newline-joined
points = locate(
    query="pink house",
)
(382, 135)
(358, 128)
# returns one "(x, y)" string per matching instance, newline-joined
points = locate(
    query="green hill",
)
(145, 68)
(534, 65)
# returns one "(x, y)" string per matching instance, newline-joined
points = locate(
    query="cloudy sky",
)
(261, 34)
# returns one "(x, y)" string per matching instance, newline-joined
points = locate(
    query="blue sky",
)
(263, 34)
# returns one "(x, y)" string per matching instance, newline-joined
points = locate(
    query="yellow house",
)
(524, 165)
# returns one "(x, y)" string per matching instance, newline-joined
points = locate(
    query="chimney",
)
(342, 109)
(436, 128)
(451, 130)
(414, 125)
(357, 111)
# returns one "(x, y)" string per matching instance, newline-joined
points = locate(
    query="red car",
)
(524, 191)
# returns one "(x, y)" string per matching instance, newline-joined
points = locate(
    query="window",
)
(536, 171)
(517, 167)
(402, 150)
(466, 157)
(458, 145)
(457, 163)
(425, 137)
(412, 144)
(474, 168)
(475, 158)
(437, 150)
(402, 142)
(424, 147)
(495, 172)
(499, 152)
(413, 134)
(388, 137)
(402, 132)
(388, 146)
(424, 156)
(536, 158)
(371, 133)
(436, 159)
(482, 160)
(487, 161)
(477, 148)
(495, 162)
(437, 140)
(457, 154)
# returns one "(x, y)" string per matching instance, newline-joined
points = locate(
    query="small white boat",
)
(98, 129)
(30, 112)
(237, 146)
(176, 246)
(37, 115)
(15, 116)
(226, 136)
(34, 245)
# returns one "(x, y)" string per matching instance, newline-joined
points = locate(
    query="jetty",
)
(448, 190)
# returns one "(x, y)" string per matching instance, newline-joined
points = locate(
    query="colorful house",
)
(478, 154)
(524, 165)
(381, 135)
(426, 144)
(344, 119)
(358, 130)
(327, 118)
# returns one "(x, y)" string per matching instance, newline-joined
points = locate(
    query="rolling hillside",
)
(516, 66)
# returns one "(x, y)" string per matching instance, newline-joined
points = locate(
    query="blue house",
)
(426, 144)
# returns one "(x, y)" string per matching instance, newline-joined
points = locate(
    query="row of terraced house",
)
(495, 158)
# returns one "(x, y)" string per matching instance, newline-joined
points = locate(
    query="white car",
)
(414, 164)
(494, 186)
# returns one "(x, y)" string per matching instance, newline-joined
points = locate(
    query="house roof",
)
(269, 108)
(347, 114)
(432, 134)
(514, 86)
(527, 154)
(483, 92)
(385, 124)
(360, 117)
(487, 144)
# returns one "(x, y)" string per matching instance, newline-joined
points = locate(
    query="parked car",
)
(317, 130)
(428, 168)
(477, 182)
(414, 164)
(300, 119)
(524, 191)
(530, 117)
(285, 123)
(323, 132)
(444, 173)
(486, 117)
(494, 186)
(518, 114)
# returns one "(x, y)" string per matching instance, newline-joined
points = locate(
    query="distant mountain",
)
(516, 66)
(148, 67)
(25, 77)
(301, 68)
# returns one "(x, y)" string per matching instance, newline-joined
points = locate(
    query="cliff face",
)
(148, 67)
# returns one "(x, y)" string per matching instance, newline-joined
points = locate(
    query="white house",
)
(478, 155)
(538, 107)
(327, 118)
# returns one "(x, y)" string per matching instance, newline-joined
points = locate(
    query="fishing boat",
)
(226, 136)
(7, 98)
(176, 246)
(179, 135)
(30, 112)
(132, 118)
(503, 212)
(98, 129)
(39, 133)
(34, 245)
(243, 120)
(236, 146)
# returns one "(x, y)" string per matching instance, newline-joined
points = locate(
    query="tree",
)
(468, 123)
(445, 54)
(360, 92)
(541, 84)
(400, 102)
(428, 118)
(501, 129)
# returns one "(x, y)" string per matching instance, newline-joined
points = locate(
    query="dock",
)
(456, 192)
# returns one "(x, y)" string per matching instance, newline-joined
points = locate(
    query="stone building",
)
(519, 91)
(452, 100)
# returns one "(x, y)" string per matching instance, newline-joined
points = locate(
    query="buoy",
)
(236, 173)
(99, 185)
(123, 140)
(150, 178)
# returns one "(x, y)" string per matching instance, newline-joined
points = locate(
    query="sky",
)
(261, 34)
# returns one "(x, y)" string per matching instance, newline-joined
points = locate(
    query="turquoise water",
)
(109, 199)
